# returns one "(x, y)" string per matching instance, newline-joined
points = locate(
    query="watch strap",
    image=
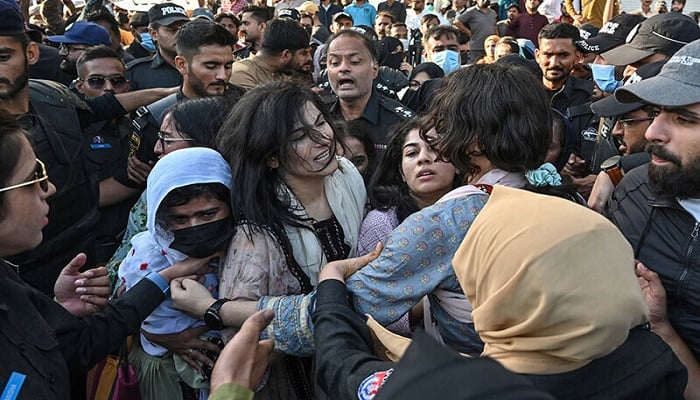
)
(213, 312)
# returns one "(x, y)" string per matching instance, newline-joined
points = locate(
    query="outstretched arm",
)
(344, 357)
(82, 293)
(655, 297)
(291, 326)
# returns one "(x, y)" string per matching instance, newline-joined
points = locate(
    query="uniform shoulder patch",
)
(589, 134)
(370, 386)
(396, 107)
(404, 111)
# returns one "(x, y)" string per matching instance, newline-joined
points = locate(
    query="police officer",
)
(52, 116)
(159, 70)
(352, 58)
(106, 143)
(207, 75)
(611, 35)
(143, 45)
(557, 54)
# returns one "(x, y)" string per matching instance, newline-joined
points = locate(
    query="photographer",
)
(414, 53)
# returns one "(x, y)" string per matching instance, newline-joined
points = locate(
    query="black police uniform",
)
(54, 125)
(144, 134)
(106, 148)
(152, 72)
(574, 101)
(606, 145)
(47, 66)
(145, 127)
(381, 113)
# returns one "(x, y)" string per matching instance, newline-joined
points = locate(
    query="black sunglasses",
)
(98, 82)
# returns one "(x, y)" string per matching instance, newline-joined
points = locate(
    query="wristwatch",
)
(212, 317)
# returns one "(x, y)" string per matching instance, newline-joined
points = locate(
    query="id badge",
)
(13, 387)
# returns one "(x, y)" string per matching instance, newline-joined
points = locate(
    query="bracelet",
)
(162, 284)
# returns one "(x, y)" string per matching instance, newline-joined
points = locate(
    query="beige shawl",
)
(551, 282)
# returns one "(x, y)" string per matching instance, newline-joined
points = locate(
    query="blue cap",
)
(83, 32)
(11, 21)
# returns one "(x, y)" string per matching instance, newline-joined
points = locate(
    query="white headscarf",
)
(195, 165)
(150, 251)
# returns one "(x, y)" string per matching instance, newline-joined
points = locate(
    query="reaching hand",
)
(190, 297)
(138, 170)
(244, 359)
(406, 68)
(603, 188)
(187, 267)
(187, 345)
(576, 167)
(342, 269)
(82, 293)
(654, 295)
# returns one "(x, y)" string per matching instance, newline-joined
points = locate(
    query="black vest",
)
(55, 130)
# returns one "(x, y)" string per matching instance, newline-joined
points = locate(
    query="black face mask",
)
(203, 240)
(394, 61)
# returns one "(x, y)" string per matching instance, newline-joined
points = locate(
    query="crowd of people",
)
(342, 200)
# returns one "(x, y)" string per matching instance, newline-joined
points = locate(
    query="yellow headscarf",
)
(551, 282)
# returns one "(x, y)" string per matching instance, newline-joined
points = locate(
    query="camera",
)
(414, 55)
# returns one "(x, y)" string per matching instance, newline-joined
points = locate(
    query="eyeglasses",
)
(626, 123)
(98, 82)
(40, 177)
(164, 138)
(69, 48)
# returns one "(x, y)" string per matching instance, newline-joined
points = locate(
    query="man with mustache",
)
(352, 67)
(78, 37)
(557, 54)
(657, 206)
(284, 54)
(204, 59)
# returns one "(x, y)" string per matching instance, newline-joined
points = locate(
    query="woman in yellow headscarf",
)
(555, 298)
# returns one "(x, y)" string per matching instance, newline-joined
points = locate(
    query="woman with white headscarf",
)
(188, 193)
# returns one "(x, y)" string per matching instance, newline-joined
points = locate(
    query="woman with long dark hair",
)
(408, 178)
(297, 205)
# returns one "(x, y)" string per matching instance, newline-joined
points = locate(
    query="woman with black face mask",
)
(191, 123)
(390, 52)
(189, 214)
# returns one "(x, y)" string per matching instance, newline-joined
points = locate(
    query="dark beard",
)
(196, 84)
(674, 180)
(69, 68)
(17, 85)
(167, 52)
